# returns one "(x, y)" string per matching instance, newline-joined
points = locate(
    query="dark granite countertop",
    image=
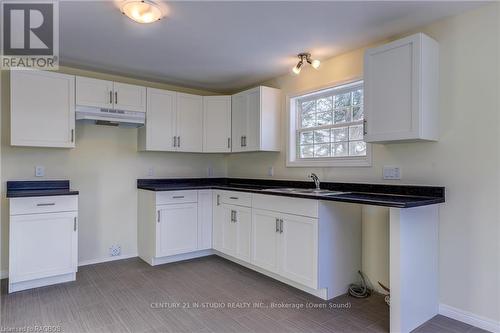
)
(42, 188)
(398, 196)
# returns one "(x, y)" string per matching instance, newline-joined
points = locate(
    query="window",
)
(326, 127)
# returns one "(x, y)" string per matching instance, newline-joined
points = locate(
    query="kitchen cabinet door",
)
(218, 221)
(189, 122)
(243, 221)
(298, 249)
(253, 125)
(42, 245)
(94, 93)
(177, 229)
(129, 97)
(42, 109)
(238, 121)
(216, 124)
(265, 233)
(229, 231)
(159, 132)
(401, 90)
(205, 213)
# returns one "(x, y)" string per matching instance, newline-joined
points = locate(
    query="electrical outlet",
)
(151, 172)
(39, 171)
(115, 250)
(270, 171)
(210, 171)
(392, 172)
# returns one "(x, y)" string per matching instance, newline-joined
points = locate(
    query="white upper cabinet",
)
(42, 109)
(110, 95)
(159, 133)
(174, 122)
(217, 124)
(189, 123)
(129, 97)
(401, 90)
(256, 120)
(94, 92)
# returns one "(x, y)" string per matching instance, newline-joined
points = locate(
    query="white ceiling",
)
(225, 46)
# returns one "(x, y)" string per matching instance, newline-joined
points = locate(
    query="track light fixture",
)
(303, 59)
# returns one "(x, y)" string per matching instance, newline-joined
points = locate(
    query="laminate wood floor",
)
(204, 295)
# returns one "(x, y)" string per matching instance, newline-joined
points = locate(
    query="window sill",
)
(364, 161)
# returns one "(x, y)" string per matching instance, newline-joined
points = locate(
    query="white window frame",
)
(293, 160)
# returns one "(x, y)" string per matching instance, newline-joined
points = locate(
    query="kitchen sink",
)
(310, 191)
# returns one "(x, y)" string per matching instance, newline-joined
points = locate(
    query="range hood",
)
(111, 117)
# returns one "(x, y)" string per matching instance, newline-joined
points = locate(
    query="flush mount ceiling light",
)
(142, 11)
(305, 58)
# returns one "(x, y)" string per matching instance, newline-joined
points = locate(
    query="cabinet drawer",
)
(236, 198)
(294, 206)
(38, 205)
(171, 197)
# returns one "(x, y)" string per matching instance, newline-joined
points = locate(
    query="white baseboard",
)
(469, 318)
(4, 274)
(106, 259)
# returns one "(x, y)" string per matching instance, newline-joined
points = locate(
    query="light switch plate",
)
(39, 171)
(270, 171)
(392, 172)
(151, 172)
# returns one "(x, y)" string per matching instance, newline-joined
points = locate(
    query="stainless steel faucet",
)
(315, 179)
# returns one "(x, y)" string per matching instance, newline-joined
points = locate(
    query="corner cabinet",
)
(217, 124)
(42, 109)
(174, 225)
(256, 120)
(401, 90)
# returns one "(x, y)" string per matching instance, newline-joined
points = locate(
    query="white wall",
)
(465, 159)
(104, 167)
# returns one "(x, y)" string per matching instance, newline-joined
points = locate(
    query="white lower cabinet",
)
(172, 225)
(298, 249)
(177, 229)
(311, 244)
(236, 231)
(43, 245)
(287, 245)
(265, 239)
(232, 227)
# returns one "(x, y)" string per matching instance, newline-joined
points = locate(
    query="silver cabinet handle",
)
(233, 216)
(177, 197)
(72, 135)
(234, 198)
(241, 141)
(175, 141)
(277, 225)
(110, 97)
(178, 141)
(158, 219)
(281, 226)
(74, 224)
(365, 130)
(229, 143)
(218, 199)
(116, 97)
(46, 204)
